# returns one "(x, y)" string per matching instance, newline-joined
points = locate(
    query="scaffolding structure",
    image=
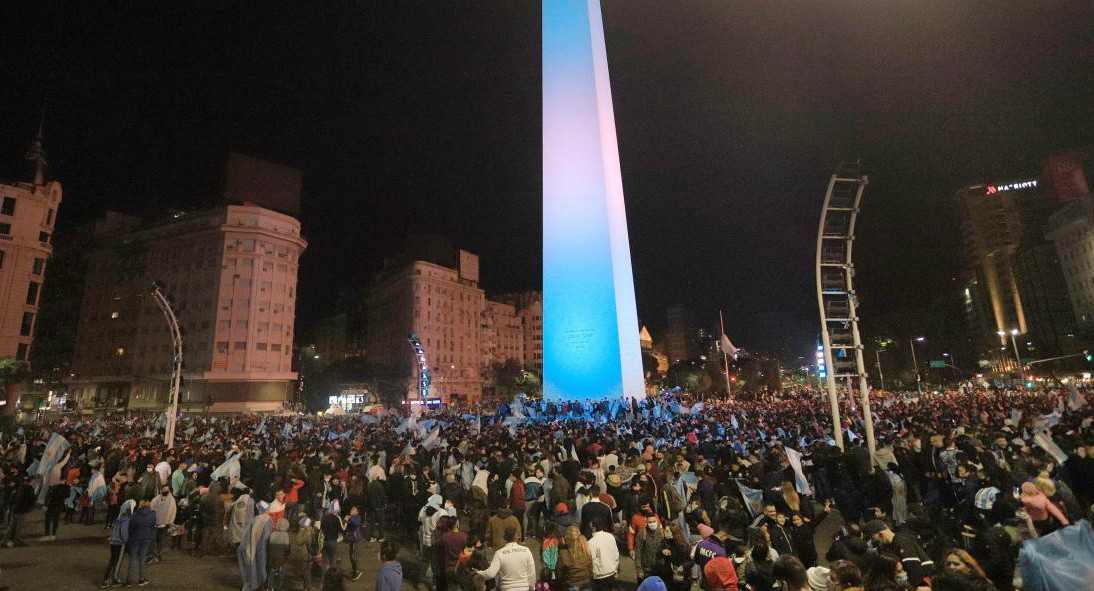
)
(837, 300)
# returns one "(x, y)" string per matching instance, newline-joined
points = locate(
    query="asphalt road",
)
(79, 556)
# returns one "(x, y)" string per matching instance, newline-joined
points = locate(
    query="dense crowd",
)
(713, 494)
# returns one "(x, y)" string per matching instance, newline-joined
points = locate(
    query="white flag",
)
(795, 458)
(728, 346)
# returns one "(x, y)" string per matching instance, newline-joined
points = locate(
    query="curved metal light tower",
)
(423, 367)
(176, 365)
(836, 296)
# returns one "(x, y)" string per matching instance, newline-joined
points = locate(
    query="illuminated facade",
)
(1016, 277)
(231, 275)
(590, 322)
(442, 305)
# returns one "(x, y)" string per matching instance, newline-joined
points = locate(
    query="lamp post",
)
(915, 364)
(953, 365)
(881, 376)
(1017, 358)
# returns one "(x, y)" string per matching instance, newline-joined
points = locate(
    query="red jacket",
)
(516, 495)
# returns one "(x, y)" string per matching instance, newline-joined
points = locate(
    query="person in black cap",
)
(916, 561)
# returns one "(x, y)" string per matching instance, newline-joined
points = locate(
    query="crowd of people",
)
(719, 495)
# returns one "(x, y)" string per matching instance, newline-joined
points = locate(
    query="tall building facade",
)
(231, 275)
(27, 215)
(1016, 281)
(443, 306)
(528, 306)
(1072, 231)
(680, 334)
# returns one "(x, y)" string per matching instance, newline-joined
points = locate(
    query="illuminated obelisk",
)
(590, 323)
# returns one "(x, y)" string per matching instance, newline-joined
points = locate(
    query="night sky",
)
(413, 117)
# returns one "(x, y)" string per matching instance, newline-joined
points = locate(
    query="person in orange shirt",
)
(292, 500)
(638, 521)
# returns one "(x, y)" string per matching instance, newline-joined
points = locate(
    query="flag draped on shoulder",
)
(96, 488)
(795, 458)
(54, 452)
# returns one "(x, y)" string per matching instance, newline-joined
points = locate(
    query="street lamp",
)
(915, 364)
(1017, 358)
(953, 365)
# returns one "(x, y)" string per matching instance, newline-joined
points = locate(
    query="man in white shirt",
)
(513, 567)
(605, 554)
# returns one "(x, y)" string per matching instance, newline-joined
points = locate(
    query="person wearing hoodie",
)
(495, 528)
(434, 509)
(165, 509)
(277, 554)
(119, 536)
(652, 584)
(1039, 509)
(390, 577)
(141, 529)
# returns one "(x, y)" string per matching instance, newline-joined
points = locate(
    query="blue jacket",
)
(142, 525)
(390, 577)
(120, 534)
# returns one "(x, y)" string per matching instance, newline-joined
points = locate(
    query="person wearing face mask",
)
(649, 556)
(165, 509)
(639, 522)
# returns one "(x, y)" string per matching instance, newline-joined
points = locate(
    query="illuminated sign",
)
(822, 369)
(347, 400)
(1015, 186)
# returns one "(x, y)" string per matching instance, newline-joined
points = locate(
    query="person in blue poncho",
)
(252, 550)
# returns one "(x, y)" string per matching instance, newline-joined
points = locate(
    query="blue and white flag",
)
(1015, 416)
(763, 436)
(55, 451)
(261, 427)
(795, 458)
(369, 419)
(851, 435)
(433, 440)
(96, 488)
(229, 468)
(753, 499)
(686, 484)
(286, 430)
(733, 421)
(162, 421)
(1045, 442)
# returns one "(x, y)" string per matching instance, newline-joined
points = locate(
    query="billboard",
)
(1064, 173)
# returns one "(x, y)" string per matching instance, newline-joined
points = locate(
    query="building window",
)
(28, 324)
(8, 207)
(49, 217)
(39, 266)
(21, 352)
(260, 346)
(275, 347)
(222, 346)
(43, 237)
(241, 346)
(32, 293)
(5, 229)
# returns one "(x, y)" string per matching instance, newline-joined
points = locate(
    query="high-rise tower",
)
(590, 322)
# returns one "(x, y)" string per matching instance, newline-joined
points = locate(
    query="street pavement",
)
(79, 556)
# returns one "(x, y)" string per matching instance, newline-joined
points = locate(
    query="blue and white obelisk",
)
(590, 323)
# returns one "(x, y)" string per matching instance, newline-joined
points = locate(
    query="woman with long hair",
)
(961, 563)
(575, 562)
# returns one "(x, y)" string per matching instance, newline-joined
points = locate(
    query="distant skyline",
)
(416, 117)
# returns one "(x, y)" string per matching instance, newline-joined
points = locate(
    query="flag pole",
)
(725, 355)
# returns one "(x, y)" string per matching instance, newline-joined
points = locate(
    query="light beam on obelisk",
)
(590, 322)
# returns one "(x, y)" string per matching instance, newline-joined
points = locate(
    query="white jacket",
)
(513, 568)
(605, 554)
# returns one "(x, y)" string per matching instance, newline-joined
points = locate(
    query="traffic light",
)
(1089, 356)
